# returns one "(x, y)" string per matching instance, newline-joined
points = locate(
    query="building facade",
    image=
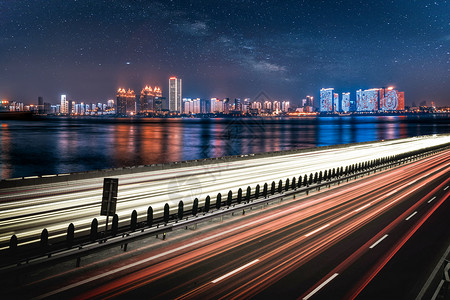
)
(64, 105)
(326, 100)
(175, 95)
(367, 100)
(392, 100)
(126, 102)
(345, 102)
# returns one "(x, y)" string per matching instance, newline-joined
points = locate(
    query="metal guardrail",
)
(82, 247)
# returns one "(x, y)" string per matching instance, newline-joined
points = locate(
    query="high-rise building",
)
(285, 106)
(64, 105)
(267, 106)
(392, 100)
(367, 100)
(146, 100)
(309, 101)
(336, 106)
(226, 105)
(110, 103)
(196, 106)
(40, 107)
(326, 100)
(187, 106)
(276, 106)
(157, 91)
(216, 105)
(160, 104)
(237, 104)
(175, 95)
(345, 102)
(72, 107)
(256, 106)
(126, 102)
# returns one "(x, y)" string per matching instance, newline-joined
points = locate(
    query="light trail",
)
(363, 249)
(26, 212)
(278, 239)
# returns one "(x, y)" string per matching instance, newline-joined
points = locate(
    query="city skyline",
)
(223, 49)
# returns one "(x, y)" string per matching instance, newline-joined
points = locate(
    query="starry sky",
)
(286, 49)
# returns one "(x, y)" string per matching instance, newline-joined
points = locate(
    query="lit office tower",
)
(276, 106)
(110, 103)
(336, 106)
(196, 106)
(64, 105)
(367, 100)
(285, 106)
(126, 102)
(326, 100)
(217, 105)
(309, 101)
(392, 100)
(187, 105)
(237, 104)
(175, 92)
(157, 91)
(146, 100)
(345, 102)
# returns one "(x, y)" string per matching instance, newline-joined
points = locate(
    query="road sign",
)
(109, 199)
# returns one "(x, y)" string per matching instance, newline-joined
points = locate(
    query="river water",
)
(63, 145)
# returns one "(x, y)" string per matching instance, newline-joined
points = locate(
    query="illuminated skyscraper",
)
(267, 106)
(187, 105)
(157, 91)
(110, 103)
(326, 100)
(367, 100)
(392, 100)
(309, 101)
(126, 102)
(276, 106)
(336, 106)
(285, 106)
(175, 95)
(345, 102)
(146, 100)
(237, 104)
(64, 105)
(216, 105)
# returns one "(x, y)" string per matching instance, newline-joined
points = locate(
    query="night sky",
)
(287, 49)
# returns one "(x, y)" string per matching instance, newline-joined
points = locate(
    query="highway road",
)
(329, 245)
(26, 211)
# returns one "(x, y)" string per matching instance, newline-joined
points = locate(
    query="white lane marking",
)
(320, 286)
(362, 207)
(429, 201)
(377, 242)
(318, 229)
(446, 188)
(410, 216)
(235, 271)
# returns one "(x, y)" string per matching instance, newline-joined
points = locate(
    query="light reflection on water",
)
(63, 145)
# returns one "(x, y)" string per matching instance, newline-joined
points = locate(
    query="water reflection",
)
(61, 146)
(5, 147)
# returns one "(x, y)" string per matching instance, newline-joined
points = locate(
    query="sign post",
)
(109, 199)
